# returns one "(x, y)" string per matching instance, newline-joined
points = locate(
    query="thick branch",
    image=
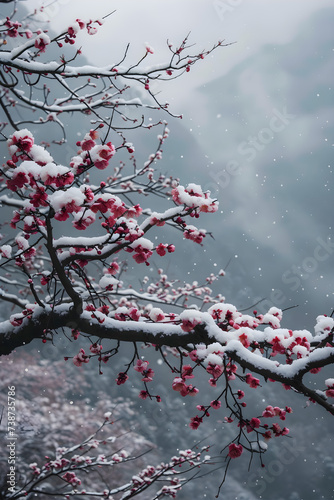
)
(126, 331)
(161, 334)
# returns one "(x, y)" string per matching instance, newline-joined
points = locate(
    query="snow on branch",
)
(88, 88)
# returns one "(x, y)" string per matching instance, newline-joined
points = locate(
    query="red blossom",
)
(214, 370)
(178, 384)
(80, 358)
(187, 372)
(195, 422)
(121, 378)
(161, 249)
(42, 41)
(252, 381)
(254, 423)
(330, 393)
(235, 450)
(141, 366)
(240, 394)
(148, 375)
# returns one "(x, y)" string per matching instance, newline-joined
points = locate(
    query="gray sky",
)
(250, 23)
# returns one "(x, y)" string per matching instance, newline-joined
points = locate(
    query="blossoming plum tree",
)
(76, 283)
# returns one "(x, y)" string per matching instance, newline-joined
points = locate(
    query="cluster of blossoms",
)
(330, 387)
(68, 464)
(78, 25)
(193, 198)
(43, 184)
(14, 29)
(231, 328)
(191, 458)
(179, 383)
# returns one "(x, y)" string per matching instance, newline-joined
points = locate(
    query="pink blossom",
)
(161, 249)
(214, 370)
(87, 144)
(252, 381)
(121, 378)
(195, 422)
(215, 404)
(143, 394)
(23, 141)
(141, 366)
(74, 29)
(189, 390)
(42, 41)
(240, 394)
(254, 423)
(113, 268)
(13, 28)
(148, 375)
(95, 348)
(189, 321)
(193, 355)
(101, 154)
(71, 478)
(133, 212)
(82, 24)
(16, 320)
(17, 181)
(210, 207)
(213, 382)
(39, 198)
(134, 314)
(187, 372)
(235, 450)
(244, 340)
(142, 254)
(268, 412)
(80, 358)
(156, 314)
(194, 234)
(278, 431)
(178, 384)
(45, 280)
(62, 214)
(154, 221)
